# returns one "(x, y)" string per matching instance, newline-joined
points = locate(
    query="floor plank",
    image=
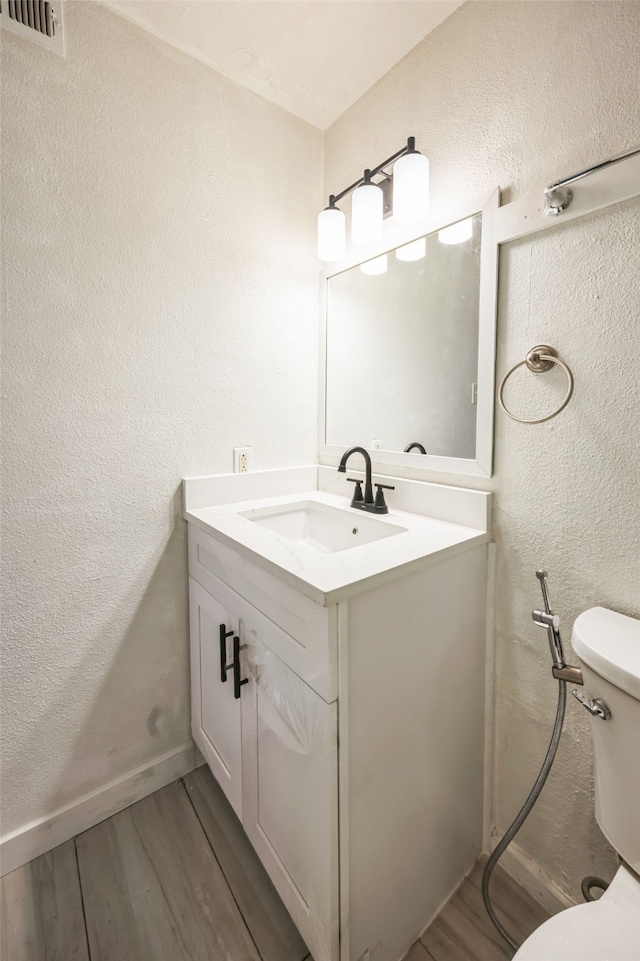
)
(463, 931)
(517, 910)
(153, 889)
(418, 952)
(471, 896)
(271, 927)
(42, 918)
(442, 946)
(457, 926)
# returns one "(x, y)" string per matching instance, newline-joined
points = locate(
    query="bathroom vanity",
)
(337, 666)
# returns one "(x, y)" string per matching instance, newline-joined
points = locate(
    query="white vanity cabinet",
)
(273, 748)
(354, 754)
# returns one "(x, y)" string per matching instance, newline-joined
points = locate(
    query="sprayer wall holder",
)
(568, 673)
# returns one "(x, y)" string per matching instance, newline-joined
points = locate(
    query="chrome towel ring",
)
(539, 360)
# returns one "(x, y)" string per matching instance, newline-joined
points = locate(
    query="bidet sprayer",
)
(551, 621)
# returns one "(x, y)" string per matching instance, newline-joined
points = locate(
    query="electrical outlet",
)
(376, 445)
(241, 460)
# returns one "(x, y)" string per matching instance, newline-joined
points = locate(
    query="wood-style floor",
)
(463, 931)
(174, 878)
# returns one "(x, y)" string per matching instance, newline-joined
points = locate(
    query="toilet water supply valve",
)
(561, 671)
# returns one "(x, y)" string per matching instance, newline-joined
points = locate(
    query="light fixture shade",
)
(331, 234)
(376, 266)
(457, 233)
(413, 251)
(410, 188)
(366, 214)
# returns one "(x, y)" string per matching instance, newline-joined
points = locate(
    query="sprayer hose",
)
(524, 813)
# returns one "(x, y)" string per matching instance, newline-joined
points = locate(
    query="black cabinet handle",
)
(237, 680)
(224, 667)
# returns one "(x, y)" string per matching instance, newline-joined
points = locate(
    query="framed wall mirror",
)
(408, 346)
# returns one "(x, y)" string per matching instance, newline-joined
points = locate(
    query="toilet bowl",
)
(604, 930)
(608, 647)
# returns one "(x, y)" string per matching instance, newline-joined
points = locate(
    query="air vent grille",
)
(37, 20)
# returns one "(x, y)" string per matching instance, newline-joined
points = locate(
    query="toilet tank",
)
(608, 646)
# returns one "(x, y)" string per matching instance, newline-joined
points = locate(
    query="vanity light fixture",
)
(413, 251)
(410, 180)
(457, 233)
(376, 266)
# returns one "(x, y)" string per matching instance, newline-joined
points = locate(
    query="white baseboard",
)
(541, 887)
(41, 836)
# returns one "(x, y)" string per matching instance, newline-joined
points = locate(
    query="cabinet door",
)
(216, 713)
(291, 794)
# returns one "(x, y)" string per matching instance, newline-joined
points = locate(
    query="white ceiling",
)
(312, 57)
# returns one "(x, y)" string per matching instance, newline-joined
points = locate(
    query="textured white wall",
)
(518, 94)
(161, 308)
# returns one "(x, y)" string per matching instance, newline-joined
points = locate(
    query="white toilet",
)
(608, 646)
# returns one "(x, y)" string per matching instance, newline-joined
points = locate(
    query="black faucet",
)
(417, 446)
(366, 503)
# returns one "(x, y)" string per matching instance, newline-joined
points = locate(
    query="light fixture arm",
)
(410, 148)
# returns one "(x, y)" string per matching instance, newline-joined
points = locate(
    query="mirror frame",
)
(414, 465)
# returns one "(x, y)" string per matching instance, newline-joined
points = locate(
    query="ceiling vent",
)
(37, 20)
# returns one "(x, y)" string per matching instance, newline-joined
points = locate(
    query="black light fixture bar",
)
(410, 148)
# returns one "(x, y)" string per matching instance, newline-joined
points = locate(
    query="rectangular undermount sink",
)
(324, 528)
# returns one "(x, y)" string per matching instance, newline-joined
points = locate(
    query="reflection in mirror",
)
(402, 346)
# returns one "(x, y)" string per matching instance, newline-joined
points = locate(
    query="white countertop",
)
(328, 578)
